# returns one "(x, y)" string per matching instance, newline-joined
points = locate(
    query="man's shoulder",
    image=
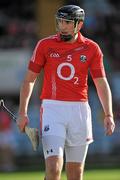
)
(91, 42)
(48, 39)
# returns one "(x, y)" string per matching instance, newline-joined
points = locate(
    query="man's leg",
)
(53, 147)
(54, 166)
(74, 171)
(75, 160)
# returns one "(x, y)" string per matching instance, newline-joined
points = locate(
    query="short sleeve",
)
(97, 67)
(37, 60)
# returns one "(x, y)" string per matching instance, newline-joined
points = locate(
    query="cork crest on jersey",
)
(83, 58)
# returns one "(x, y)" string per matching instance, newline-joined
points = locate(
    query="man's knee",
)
(74, 171)
(54, 167)
(54, 170)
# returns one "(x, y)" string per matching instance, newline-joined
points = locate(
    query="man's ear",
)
(80, 25)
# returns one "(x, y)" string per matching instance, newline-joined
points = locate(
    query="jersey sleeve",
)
(37, 60)
(97, 67)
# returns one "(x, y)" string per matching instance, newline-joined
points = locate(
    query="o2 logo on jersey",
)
(70, 66)
(72, 71)
(83, 58)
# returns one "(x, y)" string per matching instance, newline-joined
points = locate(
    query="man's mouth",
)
(64, 33)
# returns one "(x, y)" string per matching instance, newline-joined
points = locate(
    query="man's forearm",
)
(105, 96)
(25, 94)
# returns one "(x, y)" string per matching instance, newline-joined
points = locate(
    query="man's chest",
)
(65, 58)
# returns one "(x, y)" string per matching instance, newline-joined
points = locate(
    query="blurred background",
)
(22, 24)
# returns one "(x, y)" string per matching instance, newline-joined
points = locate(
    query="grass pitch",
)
(112, 174)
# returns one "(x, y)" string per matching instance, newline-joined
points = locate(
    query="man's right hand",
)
(22, 122)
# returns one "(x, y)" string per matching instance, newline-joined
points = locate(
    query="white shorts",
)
(70, 122)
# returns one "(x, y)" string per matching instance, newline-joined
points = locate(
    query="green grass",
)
(112, 174)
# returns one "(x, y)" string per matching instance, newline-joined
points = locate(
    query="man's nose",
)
(63, 22)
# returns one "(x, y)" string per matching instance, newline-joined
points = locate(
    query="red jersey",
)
(66, 67)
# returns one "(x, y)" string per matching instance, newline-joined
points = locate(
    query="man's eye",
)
(64, 20)
(67, 22)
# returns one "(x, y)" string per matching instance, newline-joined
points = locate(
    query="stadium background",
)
(22, 24)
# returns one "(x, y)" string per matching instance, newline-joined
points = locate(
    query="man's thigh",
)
(53, 146)
(75, 160)
(76, 154)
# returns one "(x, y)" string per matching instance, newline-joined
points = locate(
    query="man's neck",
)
(74, 39)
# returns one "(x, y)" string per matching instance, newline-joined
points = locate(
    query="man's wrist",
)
(22, 114)
(109, 115)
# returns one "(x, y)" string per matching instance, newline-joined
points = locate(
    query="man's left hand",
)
(109, 125)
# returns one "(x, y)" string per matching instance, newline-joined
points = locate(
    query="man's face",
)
(65, 26)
